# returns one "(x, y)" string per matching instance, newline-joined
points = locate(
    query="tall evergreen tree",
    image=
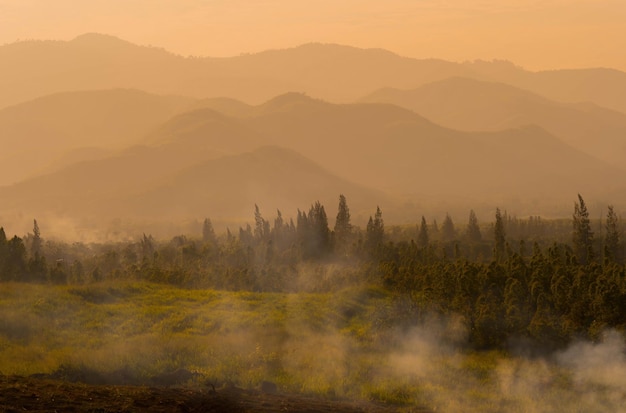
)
(422, 236)
(278, 222)
(612, 252)
(343, 228)
(342, 222)
(375, 231)
(208, 233)
(473, 230)
(37, 267)
(448, 232)
(318, 239)
(499, 237)
(261, 226)
(278, 231)
(35, 248)
(582, 236)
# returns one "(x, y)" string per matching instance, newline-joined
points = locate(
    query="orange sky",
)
(535, 34)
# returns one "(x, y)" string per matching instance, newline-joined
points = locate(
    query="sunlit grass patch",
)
(481, 365)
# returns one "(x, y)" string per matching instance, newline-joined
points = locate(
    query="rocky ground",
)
(36, 394)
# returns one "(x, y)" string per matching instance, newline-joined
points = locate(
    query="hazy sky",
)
(536, 34)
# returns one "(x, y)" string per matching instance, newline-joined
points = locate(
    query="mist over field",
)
(349, 222)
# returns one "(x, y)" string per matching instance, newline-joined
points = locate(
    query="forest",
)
(546, 282)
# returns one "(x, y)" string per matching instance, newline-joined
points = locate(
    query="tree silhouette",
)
(499, 237)
(582, 236)
(422, 236)
(343, 228)
(612, 251)
(375, 231)
(448, 232)
(37, 267)
(473, 230)
(208, 233)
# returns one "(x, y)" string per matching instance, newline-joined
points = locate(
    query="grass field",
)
(347, 344)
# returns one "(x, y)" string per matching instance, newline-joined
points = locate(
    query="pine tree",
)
(313, 232)
(261, 226)
(342, 222)
(582, 236)
(375, 231)
(499, 237)
(343, 228)
(473, 230)
(278, 222)
(448, 232)
(208, 233)
(422, 236)
(612, 237)
(278, 232)
(35, 248)
(37, 263)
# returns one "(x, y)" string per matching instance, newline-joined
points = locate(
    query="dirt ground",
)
(29, 394)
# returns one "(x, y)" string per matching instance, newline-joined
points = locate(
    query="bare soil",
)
(34, 394)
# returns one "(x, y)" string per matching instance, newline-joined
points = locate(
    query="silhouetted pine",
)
(375, 232)
(343, 227)
(448, 232)
(208, 233)
(582, 236)
(422, 236)
(37, 267)
(612, 250)
(261, 226)
(499, 237)
(473, 230)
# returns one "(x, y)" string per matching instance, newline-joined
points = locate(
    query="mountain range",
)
(331, 72)
(119, 131)
(472, 105)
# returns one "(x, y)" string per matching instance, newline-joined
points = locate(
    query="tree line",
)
(512, 278)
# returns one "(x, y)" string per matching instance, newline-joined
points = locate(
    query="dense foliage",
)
(547, 281)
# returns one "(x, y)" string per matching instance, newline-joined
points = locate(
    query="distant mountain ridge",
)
(331, 72)
(35, 134)
(473, 105)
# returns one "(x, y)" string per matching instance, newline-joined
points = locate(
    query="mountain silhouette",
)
(473, 105)
(331, 72)
(35, 134)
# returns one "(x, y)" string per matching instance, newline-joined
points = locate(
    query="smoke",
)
(433, 339)
(585, 377)
(598, 372)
